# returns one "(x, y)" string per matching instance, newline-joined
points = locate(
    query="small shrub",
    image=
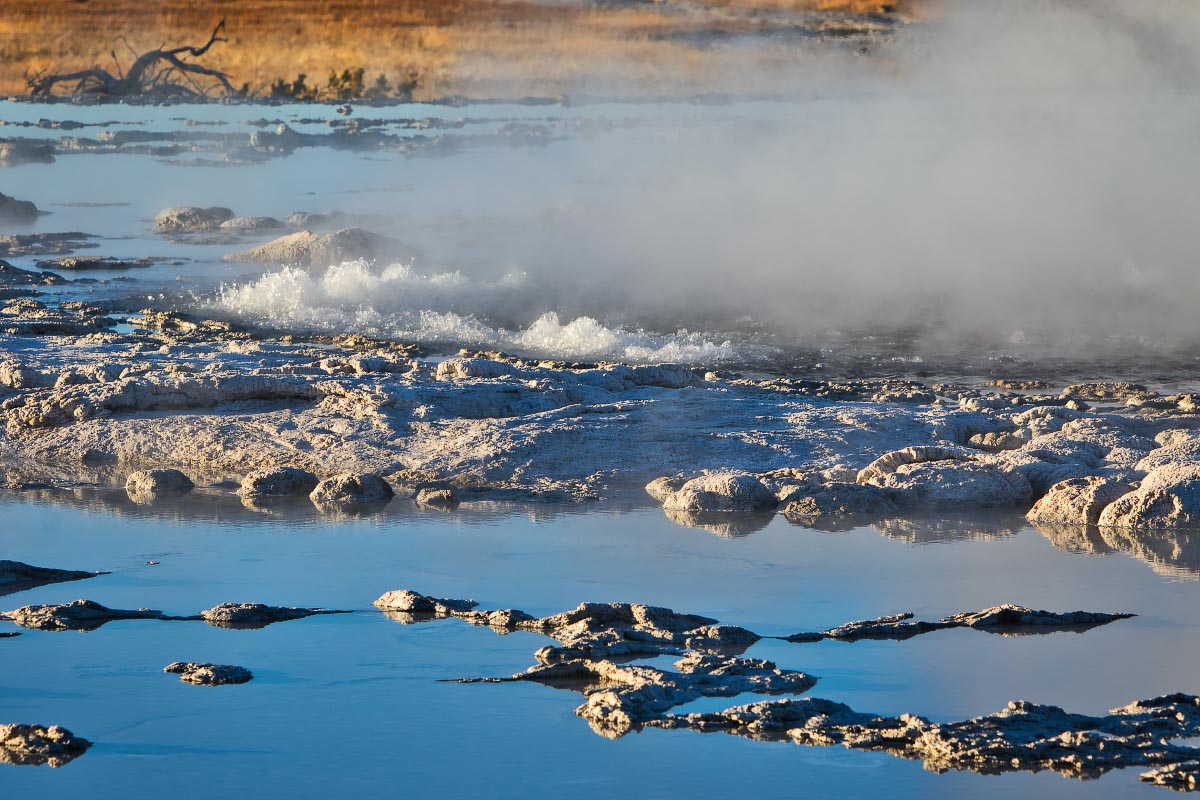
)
(297, 89)
(349, 84)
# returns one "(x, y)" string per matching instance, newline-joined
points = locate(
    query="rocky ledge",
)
(35, 745)
(598, 642)
(209, 674)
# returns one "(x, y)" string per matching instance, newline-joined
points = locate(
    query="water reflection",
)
(927, 529)
(217, 502)
(725, 525)
(1172, 554)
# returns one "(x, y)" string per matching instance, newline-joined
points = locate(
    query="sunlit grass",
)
(456, 46)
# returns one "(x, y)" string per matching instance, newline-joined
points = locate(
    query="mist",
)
(1030, 167)
(1017, 174)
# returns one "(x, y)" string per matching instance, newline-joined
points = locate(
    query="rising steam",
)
(1022, 173)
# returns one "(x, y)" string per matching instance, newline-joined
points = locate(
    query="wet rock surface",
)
(349, 491)
(662, 488)
(721, 492)
(944, 479)
(1183, 777)
(77, 615)
(84, 263)
(209, 674)
(17, 212)
(840, 500)
(253, 616)
(16, 576)
(1168, 497)
(598, 642)
(1007, 619)
(1077, 501)
(38, 745)
(146, 486)
(25, 151)
(13, 245)
(408, 600)
(27, 317)
(12, 277)
(442, 498)
(1023, 737)
(242, 400)
(190, 219)
(252, 224)
(278, 482)
(308, 249)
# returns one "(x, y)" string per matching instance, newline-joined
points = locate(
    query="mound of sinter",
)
(253, 616)
(35, 745)
(1007, 620)
(16, 576)
(597, 642)
(77, 615)
(209, 674)
(244, 401)
(1024, 737)
(88, 615)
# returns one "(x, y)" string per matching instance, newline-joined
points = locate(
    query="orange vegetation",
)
(479, 47)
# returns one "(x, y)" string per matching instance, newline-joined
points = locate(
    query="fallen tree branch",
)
(162, 72)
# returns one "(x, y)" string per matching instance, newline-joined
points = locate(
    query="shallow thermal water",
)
(350, 705)
(516, 244)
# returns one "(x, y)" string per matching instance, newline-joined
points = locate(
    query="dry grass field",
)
(478, 48)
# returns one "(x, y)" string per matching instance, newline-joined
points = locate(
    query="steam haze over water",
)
(1019, 177)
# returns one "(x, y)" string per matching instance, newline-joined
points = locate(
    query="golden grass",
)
(474, 47)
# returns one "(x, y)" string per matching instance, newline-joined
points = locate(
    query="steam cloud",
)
(1025, 173)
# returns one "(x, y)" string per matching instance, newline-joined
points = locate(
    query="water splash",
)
(450, 308)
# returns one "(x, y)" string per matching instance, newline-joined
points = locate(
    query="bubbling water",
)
(449, 308)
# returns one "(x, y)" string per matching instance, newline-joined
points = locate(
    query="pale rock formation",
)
(1077, 500)
(146, 486)
(1015, 618)
(308, 249)
(1007, 619)
(435, 497)
(1022, 737)
(622, 697)
(36, 745)
(1168, 497)
(629, 696)
(351, 490)
(415, 603)
(209, 674)
(840, 500)
(888, 463)
(463, 368)
(252, 616)
(662, 488)
(1184, 777)
(942, 479)
(78, 615)
(190, 219)
(278, 482)
(723, 491)
(251, 224)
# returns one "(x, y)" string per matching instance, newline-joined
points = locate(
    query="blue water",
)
(350, 705)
